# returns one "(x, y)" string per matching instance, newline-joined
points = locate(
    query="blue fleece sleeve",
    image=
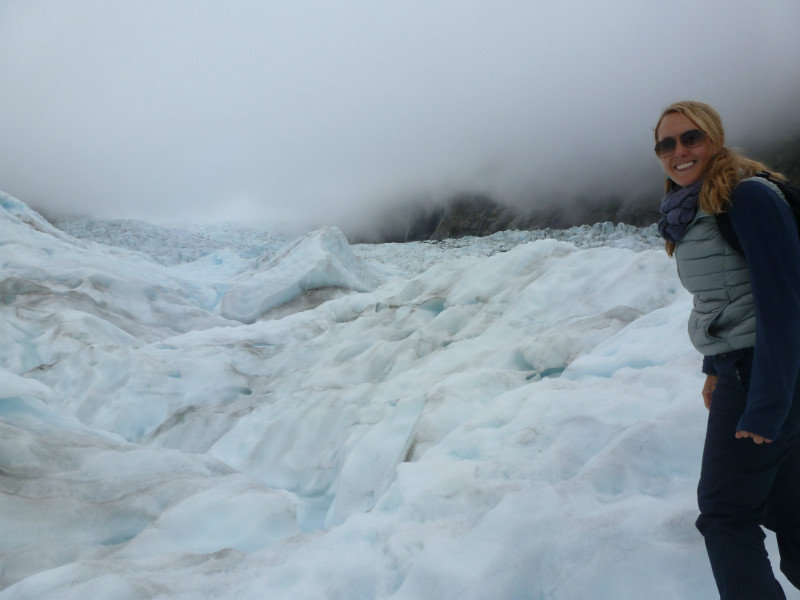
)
(708, 365)
(766, 229)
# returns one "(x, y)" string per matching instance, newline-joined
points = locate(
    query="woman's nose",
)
(680, 149)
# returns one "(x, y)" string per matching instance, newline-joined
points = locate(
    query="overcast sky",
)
(305, 112)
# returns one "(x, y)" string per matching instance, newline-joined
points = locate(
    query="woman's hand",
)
(708, 389)
(756, 438)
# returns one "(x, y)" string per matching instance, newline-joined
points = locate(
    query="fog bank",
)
(303, 114)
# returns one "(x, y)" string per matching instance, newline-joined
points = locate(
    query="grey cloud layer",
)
(312, 112)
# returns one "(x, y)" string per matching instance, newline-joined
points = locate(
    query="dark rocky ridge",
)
(480, 215)
(783, 156)
(473, 214)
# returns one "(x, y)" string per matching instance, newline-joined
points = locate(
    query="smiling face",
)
(685, 165)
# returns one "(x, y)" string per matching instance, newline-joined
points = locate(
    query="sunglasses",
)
(689, 139)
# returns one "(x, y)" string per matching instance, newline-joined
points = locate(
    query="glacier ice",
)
(507, 417)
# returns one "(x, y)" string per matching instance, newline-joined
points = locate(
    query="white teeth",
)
(683, 166)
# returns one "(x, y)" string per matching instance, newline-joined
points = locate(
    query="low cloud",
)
(299, 114)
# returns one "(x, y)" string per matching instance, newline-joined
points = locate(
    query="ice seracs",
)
(319, 261)
(506, 417)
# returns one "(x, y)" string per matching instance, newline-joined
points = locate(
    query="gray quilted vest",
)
(723, 317)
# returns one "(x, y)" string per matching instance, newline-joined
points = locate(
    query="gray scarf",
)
(678, 210)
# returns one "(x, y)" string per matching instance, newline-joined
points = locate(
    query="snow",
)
(319, 261)
(508, 417)
(172, 245)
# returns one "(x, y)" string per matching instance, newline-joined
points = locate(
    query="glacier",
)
(509, 417)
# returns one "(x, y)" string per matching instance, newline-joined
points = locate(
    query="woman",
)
(746, 323)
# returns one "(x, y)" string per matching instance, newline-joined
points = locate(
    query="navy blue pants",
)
(743, 486)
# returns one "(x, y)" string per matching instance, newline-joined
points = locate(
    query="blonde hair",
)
(727, 166)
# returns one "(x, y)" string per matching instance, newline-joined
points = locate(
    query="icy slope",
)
(486, 419)
(172, 245)
(319, 261)
(80, 289)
